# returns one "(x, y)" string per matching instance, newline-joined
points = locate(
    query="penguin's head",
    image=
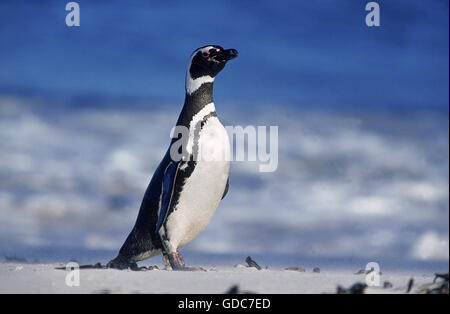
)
(209, 60)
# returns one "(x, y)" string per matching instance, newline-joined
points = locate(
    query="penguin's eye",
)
(205, 54)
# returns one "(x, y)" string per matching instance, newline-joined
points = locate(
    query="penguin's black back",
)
(143, 237)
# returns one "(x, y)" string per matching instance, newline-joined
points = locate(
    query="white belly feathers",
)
(204, 189)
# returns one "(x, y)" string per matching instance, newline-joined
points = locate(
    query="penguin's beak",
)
(226, 55)
(230, 54)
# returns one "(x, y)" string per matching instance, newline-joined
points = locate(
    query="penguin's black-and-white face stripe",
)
(205, 63)
(192, 84)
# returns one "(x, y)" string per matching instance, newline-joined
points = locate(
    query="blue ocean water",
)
(300, 53)
(85, 115)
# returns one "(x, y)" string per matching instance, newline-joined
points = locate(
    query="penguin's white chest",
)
(204, 188)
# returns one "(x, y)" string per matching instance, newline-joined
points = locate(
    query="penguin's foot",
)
(121, 264)
(177, 263)
(135, 267)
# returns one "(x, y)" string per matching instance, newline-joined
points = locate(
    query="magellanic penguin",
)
(184, 193)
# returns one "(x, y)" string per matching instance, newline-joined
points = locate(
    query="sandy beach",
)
(44, 278)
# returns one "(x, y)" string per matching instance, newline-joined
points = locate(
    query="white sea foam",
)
(346, 184)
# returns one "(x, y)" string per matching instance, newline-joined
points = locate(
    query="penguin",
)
(184, 193)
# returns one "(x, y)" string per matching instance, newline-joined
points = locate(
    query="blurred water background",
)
(85, 115)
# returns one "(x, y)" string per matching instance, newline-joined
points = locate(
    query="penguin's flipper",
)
(168, 184)
(226, 188)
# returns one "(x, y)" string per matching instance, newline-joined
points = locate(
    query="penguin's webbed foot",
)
(135, 267)
(177, 263)
(122, 263)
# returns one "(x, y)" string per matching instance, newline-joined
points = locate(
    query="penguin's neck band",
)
(193, 85)
(199, 116)
(196, 120)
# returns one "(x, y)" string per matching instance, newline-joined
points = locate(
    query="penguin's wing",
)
(168, 184)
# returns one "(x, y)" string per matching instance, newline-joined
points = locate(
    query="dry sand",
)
(44, 278)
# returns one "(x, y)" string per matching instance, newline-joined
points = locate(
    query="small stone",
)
(387, 285)
(236, 290)
(357, 288)
(233, 290)
(316, 270)
(445, 277)
(252, 263)
(410, 285)
(299, 269)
